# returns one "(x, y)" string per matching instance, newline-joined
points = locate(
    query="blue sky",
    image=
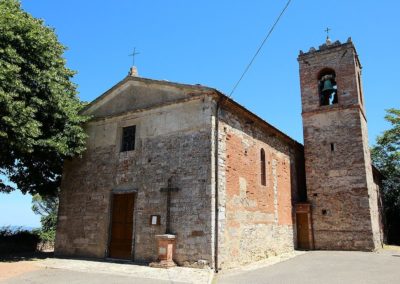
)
(210, 43)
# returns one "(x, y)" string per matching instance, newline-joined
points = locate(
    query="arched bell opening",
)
(327, 87)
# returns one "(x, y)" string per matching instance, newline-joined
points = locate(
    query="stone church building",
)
(189, 162)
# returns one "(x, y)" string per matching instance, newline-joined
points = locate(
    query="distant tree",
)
(40, 124)
(386, 157)
(47, 208)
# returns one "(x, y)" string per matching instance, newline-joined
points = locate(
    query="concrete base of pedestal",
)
(166, 249)
(163, 264)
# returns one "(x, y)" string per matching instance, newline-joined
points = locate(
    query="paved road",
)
(325, 267)
(63, 276)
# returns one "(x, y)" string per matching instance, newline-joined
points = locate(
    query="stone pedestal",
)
(166, 249)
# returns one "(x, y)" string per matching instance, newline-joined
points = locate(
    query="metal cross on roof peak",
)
(133, 55)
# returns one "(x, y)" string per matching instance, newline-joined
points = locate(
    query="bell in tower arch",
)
(328, 90)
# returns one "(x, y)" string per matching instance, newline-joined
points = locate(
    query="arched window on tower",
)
(327, 87)
(263, 174)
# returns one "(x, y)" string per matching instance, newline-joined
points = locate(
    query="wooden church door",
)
(303, 231)
(305, 238)
(122, 226)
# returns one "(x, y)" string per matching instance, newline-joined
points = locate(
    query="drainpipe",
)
(216, 186)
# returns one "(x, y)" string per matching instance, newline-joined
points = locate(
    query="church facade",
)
(186, 160)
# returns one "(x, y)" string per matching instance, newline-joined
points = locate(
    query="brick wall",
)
(255, 221)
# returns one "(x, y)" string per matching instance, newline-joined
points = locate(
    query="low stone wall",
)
(45, 247)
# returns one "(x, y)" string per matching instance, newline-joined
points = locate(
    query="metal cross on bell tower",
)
(328, 40)
(327, 32)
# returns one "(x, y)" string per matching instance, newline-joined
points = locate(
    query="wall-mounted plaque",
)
(155, 220)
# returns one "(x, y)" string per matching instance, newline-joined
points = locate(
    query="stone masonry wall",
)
(255, 221)
(373, 191)
(83, 215)
(171, 141)
(336, 181)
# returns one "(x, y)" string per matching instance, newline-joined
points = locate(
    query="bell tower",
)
(340, 186)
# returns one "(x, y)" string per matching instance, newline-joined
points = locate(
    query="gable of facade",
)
(138, 94)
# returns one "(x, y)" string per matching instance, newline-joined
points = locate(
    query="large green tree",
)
(40, 124)
(386, 157)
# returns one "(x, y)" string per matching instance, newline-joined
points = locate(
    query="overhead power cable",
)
(259, 49)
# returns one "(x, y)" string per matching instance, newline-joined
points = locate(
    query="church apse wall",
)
(171, 142)
(258, 187)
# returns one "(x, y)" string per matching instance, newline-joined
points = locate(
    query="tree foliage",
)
(386, 157)
(47, 208)
(40, 124)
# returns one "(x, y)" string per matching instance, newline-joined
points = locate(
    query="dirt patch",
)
(12, 269)
(15, 264)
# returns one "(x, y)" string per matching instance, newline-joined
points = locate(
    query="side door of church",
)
(303, 238)
(121, 226)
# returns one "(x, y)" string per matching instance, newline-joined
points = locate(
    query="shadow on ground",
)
(23, 256)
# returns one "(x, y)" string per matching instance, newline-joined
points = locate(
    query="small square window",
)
(128, 138)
